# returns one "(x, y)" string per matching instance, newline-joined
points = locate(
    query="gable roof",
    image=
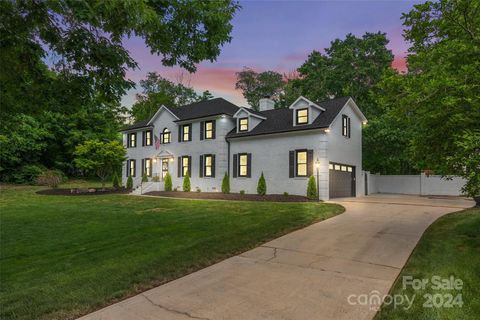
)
(192, 111)
(281, 120)
(250, 111)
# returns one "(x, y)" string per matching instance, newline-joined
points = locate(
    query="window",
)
(207, 165)
(242, 165)
(131, 168)
(147, 167)
(208, 129)
(340, 167)
(345, 126)
(302, 116)
(243, 124)
(301, 163)
(185, 165)
(186, 132)
(132, 140)
(165, 137)
(147, 138)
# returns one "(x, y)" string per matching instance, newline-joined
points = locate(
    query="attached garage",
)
(341, 180)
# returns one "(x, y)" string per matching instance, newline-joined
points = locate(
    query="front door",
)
(164, 168)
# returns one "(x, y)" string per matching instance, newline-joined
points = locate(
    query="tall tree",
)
(439, 98)
(158, 91)
(349, 67)
(256, 85)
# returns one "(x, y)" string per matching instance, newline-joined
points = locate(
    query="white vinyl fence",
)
(414, 184)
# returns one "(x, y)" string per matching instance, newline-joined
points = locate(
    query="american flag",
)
(157, 142)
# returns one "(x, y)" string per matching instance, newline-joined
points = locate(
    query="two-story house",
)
(210, 138)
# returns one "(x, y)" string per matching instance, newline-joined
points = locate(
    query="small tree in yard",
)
(115, 181)
(168, 182)
(226, 184)
(144, 177)
(129, 182)
(311, 188)
(186, 183)
(102, 158)
(262, 186)
(466, 163)
(51, 178)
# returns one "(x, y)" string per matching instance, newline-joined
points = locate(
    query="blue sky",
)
(279, 35)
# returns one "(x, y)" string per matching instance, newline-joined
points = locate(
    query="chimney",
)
(266, 104)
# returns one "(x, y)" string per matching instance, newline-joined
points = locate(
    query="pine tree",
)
(226, 184)
(186, 183)
(311, 188)
(262, 186)
(168, 182)
(115, 181)
(129, 182)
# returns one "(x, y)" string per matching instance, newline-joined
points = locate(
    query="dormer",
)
(305, 111)
(247, 119)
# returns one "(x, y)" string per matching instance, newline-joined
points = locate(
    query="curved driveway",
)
(307, 274)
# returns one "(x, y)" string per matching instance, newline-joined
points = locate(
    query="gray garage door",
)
(342, 180)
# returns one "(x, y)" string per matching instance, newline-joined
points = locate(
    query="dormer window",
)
(243, 124)
(302, 116)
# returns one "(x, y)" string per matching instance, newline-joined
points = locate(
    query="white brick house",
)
(211, 138)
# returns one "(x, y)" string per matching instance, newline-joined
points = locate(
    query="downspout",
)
(228, 159)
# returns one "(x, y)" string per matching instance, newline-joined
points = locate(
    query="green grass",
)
(450, 247)
(64, 256)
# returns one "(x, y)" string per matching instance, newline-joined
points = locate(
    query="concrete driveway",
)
(307, 274)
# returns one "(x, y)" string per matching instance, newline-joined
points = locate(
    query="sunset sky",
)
(279, 35)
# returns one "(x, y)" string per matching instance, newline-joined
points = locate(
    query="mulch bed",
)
(82, 191)
(229, 196)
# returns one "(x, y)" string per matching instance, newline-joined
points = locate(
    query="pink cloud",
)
(400, 64)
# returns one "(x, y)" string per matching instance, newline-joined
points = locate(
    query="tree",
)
(262, 186)
(168, 182)
(206, 95)
(102, 158)
(129, 183)
(349, 67)
(226, 184)
(255, 85)
(312, 189)
(466, 163)
(158, 91)
(144, 177)
(186, 183)
(115, 181)
(438, 100)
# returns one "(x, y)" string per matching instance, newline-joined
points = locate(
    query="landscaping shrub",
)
(262, 186)
(168, 182)
(129, 182)
(51, 178)
(198, 189)
(226, 184)
(156, 179)
(242, 191)
(26, 174)
(115, 181)
(186, 183)
(144, 177)
(285, 194)
(312, 188)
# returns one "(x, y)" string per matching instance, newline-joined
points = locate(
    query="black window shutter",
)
(249, 165)
(200, 169)
(190, 166)
(309, 162)
(348, 130)
(142, 167)
(180, 133)
(179, 167)
(235, 166)
(291, 164)
(143, 138)
(213, 165)
(190, 132)
(134, 168)
(202, 125)
(213, 128)
(128, 168)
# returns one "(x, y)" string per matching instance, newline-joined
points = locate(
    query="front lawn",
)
(450, 247)
(64, 256)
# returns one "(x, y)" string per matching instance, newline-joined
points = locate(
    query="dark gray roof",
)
(137, 125)
(281, 120)
(206, 108)
(195, 110)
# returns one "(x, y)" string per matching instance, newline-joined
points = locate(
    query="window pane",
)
(302, 157)
(302, 169)
(208, 171)
(302, 116)
(344, 168)
(330, 166)
(337, 167)
(208, 160)
(243, 171)
(244, 124)
(349, 169)
(243, 160)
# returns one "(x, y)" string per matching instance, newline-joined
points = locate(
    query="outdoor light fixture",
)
(327, 130)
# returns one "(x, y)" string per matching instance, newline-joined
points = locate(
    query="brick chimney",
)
(266, 104)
